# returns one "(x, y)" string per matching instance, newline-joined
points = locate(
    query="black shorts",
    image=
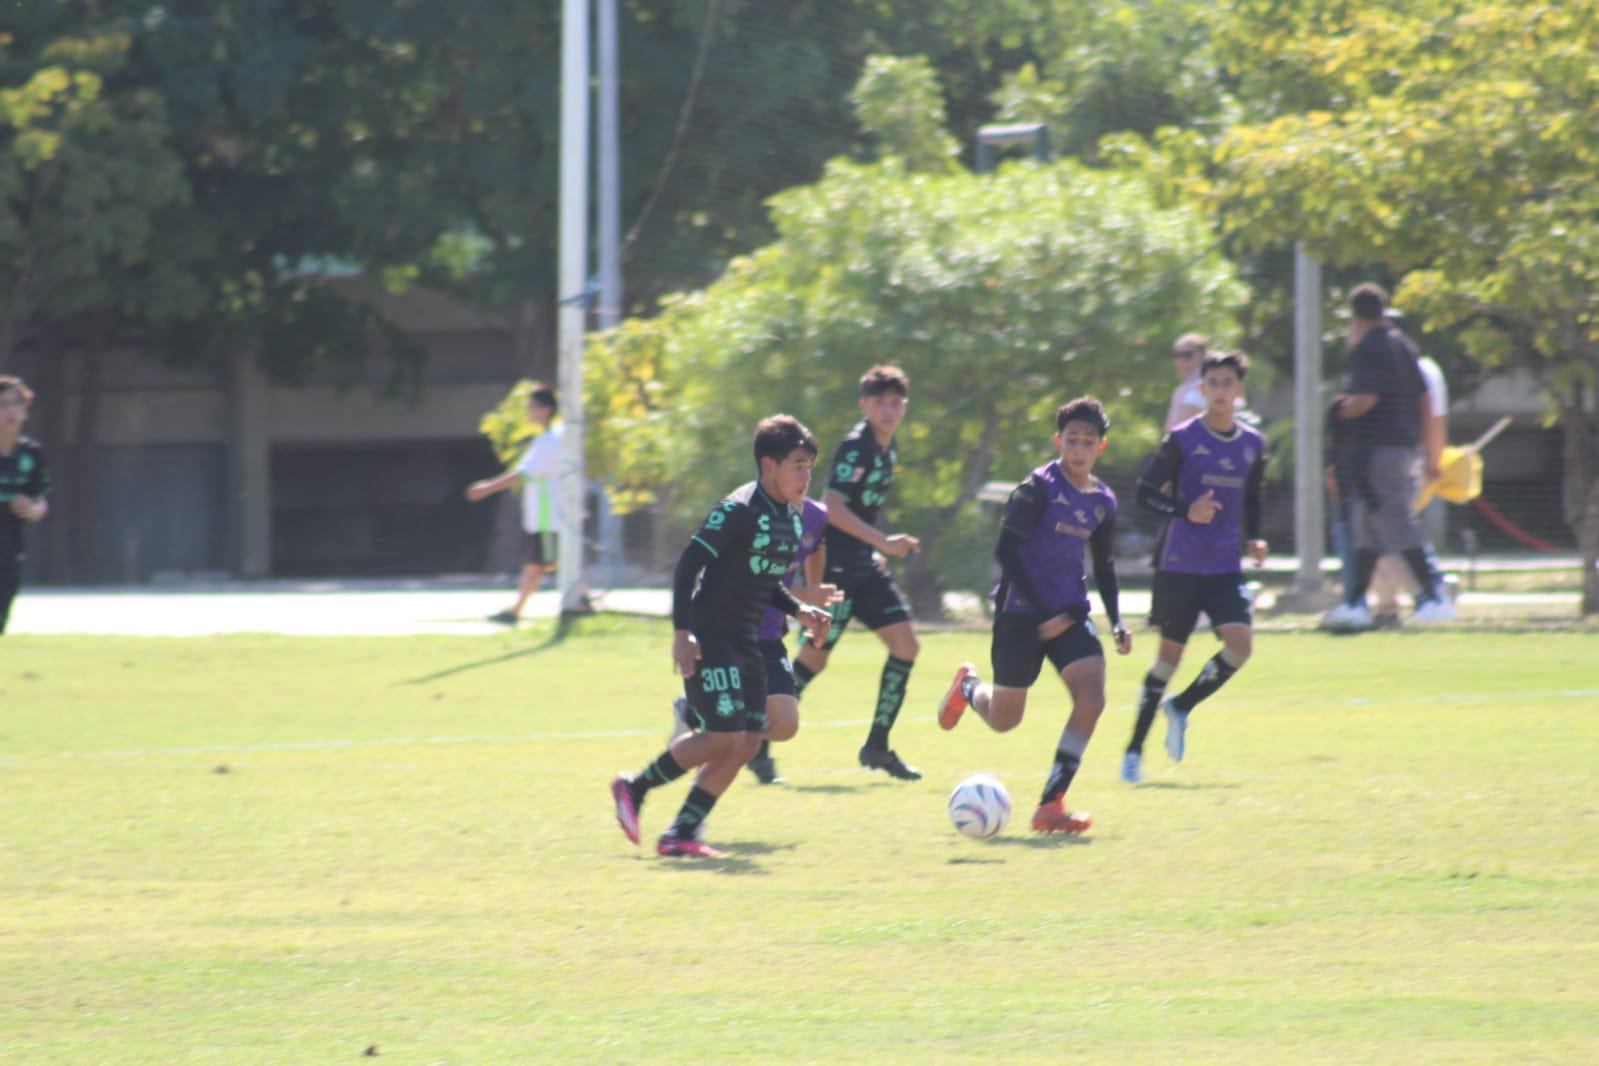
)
(1179, 599)
(875, 600)
(727, 693)
(779, 671)
(1018, 655)
(542, 548)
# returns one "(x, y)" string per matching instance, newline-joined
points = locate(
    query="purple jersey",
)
(813, 524)
(1055, 520)
(1195, 460)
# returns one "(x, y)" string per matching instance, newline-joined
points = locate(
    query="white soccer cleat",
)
(1435, 610)
(1347, 616)
(1176, 729)
(1133, 767)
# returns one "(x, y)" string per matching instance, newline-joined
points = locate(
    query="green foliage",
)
(506, 425)
(1002, 295)
(898, 102)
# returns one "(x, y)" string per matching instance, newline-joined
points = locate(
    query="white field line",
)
(601, 734)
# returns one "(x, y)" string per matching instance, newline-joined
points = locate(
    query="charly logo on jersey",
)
(1081, 516)
(1200, 449)
(1225, 463)
(24, 463)
(1060, 498)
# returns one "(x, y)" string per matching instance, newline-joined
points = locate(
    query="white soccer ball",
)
(979, 806)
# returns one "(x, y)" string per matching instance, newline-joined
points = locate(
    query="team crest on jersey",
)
(1249, 455)
(1099, 514)
(24, 463)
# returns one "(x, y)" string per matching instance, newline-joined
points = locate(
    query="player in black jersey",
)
(862, 471)
(738, 557)
(24, 486)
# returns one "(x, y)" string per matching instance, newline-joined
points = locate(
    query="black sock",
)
(1060, 775)
(802, 677)
(766, 750)
(695, 810)
(1211, 678)
(969, 687)
(1148, 703)
(1421, 564)
(1365, 566)
(660, 772)
(890, 695)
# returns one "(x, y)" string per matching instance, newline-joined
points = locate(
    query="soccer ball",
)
(979, 806)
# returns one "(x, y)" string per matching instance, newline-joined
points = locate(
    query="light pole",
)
(573, 290)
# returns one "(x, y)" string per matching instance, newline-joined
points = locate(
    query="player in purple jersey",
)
(1208, 479)
(1055, 520)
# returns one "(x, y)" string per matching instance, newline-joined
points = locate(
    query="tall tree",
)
(1457, 143)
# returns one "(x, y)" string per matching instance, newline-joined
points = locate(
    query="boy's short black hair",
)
(9, 382)
(777, 437)
(882, 380)
(544, 396)
(1083, 409)
(1368, 301)
(1237, 360)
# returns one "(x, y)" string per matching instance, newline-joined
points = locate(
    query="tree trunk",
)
(922, 582)
(1581, 489)
(84, 466)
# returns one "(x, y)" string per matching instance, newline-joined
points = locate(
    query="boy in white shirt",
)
(539, 475)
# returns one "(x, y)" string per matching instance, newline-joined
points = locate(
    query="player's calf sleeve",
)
(1149, 701)
(890, 696)
(1068, 757)
(802, 677)
(696, 808)
(1223, 665)
(660, 772)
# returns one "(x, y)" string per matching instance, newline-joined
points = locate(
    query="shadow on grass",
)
(977, 862)
(562, 629)
(1188, 786)
(826, 789)
(1044, 840)
(754, 847)
(728, 866)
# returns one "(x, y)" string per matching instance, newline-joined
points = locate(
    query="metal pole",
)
(1309, 460)
(610, 167)
(573, 284)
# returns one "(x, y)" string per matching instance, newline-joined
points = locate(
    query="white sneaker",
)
(1347, 617)
(1132, 767)
(1435, 610)
(1176, 729)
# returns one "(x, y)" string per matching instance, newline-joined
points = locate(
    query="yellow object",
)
(1460, 479)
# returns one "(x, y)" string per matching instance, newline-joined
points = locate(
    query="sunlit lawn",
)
(269, 850)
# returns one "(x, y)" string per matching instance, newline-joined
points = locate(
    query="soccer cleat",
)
(1053, 817)
(626, 806)
(1176, 729)
(679, 847)
(765, 770)
(680, 723)
(1434, 610)
(1347, 617)
(954, 703)
(1133, 767)
(506, 617)
(889, 762)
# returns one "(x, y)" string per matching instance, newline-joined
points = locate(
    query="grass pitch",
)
(266, 849)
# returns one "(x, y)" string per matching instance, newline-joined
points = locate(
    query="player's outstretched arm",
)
(841, 517)
(482, 490)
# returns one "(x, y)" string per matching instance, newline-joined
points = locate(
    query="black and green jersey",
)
(861, 473)
(22, 473)
(751, 540)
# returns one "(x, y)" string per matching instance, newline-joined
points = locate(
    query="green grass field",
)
(281, 850)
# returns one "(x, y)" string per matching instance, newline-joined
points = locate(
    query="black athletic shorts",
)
(727, 693)
(1018, 655)
(876, 601)
(779, 671)
(1179, 599)
(543, 549)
